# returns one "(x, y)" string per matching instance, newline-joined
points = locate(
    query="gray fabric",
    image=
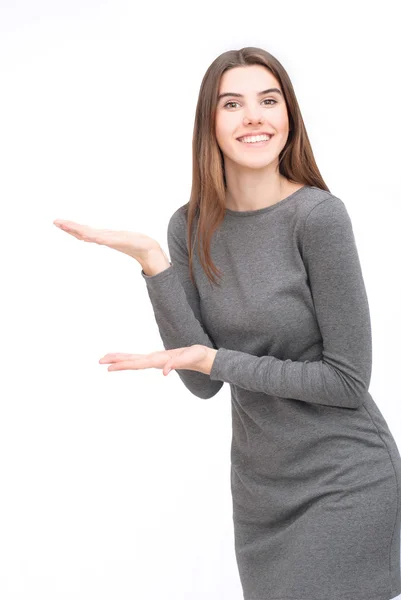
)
(315, 470)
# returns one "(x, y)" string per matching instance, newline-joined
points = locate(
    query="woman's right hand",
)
(132, 243)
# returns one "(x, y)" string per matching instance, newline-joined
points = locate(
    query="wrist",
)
(155, 262)
(207, 363)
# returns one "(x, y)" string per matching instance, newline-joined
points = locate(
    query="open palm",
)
(132, 243)
(188, 357)
(139, 246)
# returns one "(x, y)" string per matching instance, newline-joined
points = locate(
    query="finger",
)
(76, 235)
(77, 230)
(68, 224)
(133, 365)
(79, 237)
(115, 357)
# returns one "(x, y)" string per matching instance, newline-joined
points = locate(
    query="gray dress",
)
(315, 470)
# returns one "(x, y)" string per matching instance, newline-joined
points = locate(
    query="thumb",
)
(167, 368)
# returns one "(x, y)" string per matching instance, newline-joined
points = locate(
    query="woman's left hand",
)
(193, 358)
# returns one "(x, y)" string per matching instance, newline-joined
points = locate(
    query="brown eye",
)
(265, 100)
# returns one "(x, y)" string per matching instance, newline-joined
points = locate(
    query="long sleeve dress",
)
(315, 470)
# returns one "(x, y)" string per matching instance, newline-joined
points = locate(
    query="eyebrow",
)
(269, 91)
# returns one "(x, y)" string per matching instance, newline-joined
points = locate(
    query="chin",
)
(256, 162)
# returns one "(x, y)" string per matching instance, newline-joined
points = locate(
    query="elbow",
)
(209, 393)
(199, 384)
(359, 388)
(360, 395)
(347, 385)
(353, 395)
(356, 402)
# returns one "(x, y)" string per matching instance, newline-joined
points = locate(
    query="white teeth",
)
(256, 138)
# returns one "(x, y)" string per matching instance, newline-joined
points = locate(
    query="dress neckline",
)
(259, 211)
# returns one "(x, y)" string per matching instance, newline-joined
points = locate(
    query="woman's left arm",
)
(342, 377)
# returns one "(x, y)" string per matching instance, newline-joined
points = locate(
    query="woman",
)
(315, 471)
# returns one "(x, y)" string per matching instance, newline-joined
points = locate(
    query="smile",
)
(258, 144)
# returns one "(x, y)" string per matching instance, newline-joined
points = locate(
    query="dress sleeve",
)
(176, 307)
(342, 377)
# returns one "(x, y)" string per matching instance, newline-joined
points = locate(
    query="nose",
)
(253, 116)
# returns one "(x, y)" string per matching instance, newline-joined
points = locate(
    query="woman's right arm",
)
(176, 304)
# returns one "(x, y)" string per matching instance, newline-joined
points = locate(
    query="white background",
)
(117, 484)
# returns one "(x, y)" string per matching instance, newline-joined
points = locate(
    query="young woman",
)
(315, 470)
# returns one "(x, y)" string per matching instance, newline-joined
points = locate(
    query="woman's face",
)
(250, 114)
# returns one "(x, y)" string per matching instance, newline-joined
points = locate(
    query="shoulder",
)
(325, 226)
(178, 224)
(177, 229)
(315, 197)
(178, 221)
(321, 209)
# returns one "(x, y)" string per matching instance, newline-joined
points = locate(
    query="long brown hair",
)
(208, 192)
